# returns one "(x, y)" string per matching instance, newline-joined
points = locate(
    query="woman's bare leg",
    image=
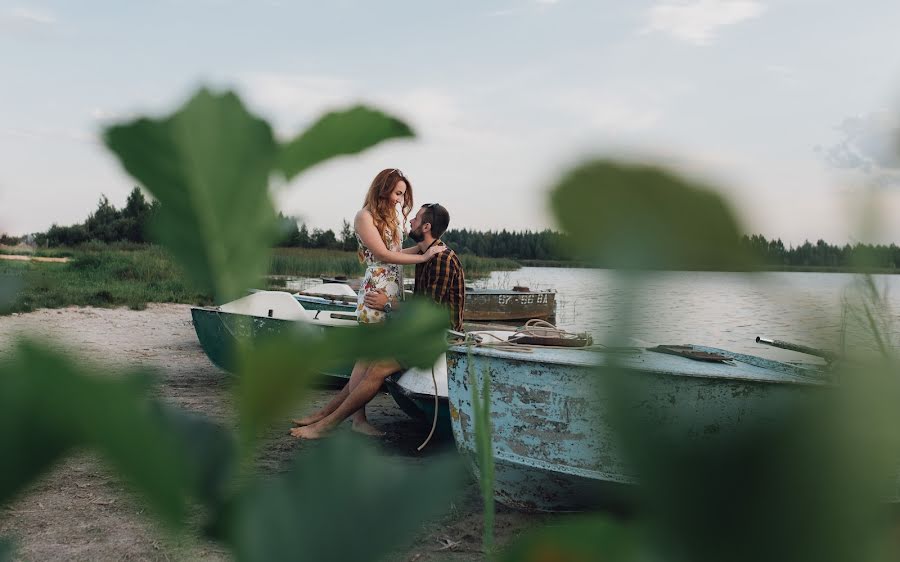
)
(364, 391)
(359, 370)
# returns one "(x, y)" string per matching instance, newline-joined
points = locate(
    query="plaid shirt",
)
(442, 279)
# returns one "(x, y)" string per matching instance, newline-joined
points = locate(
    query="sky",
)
(788, 108)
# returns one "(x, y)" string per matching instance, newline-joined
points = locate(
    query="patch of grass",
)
(110, 275)
(305, 262)
(101, 277)
(475, 266)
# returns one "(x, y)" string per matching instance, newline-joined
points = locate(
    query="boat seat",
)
(269, 304)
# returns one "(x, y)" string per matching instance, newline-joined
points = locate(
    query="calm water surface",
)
(726, 310)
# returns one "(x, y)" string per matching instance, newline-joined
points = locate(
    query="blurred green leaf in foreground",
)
(209, 164)
(340, 501)
(49, 406)
(629, 216)
(808, 477)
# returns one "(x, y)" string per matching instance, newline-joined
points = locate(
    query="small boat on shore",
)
(553, 443)
(266, 313)
(256, 316)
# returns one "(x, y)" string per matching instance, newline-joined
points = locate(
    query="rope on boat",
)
(436, 407)
(533, 331)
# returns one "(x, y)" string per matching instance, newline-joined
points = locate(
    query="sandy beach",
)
(82, 510)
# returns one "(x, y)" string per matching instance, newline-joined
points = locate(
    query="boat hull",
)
(552, 429)
(218, 333)
(487, 305)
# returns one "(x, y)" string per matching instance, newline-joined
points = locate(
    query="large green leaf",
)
(582, 539)
(275, 373)
(341, 132)
(208, 164)
(640, 217)
(209, 456)
(10, 284)
(6, 550)
(49, 406)
(341, 502)
(803, 478)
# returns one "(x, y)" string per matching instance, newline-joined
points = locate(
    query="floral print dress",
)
(386, 276)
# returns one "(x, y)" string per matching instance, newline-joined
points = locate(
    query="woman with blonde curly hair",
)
(379, 231)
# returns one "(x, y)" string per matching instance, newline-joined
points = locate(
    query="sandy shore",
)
(17, 257)
(82, 510)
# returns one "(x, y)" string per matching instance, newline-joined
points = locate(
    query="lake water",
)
(726, 310)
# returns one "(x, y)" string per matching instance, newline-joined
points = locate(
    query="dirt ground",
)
(83, 511)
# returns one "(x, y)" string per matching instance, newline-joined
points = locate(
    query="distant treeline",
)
(108, 224)
(527, 245)
(821, 254)
(105, 224)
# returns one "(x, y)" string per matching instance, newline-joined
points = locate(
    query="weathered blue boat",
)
(419, 391)
(552, 439)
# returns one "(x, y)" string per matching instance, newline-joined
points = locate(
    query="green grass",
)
(133, 275)
(104, 278)
(303, 262)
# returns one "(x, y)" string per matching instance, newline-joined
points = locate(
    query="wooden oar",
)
(827, 355)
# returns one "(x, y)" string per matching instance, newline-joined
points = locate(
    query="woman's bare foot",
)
(366, 428)
(309, 432)
(309, 420)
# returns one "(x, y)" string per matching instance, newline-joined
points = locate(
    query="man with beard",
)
(441, 279)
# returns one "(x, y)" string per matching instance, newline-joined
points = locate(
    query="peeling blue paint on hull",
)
(551, 413)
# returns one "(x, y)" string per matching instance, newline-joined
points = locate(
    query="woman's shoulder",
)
(364, 215)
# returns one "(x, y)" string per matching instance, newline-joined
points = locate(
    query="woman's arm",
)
(365, 228)
(411, 250)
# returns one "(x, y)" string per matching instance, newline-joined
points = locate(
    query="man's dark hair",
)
(439, 218)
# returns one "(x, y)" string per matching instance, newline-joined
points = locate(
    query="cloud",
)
(290, 99)
(292, 102)
(26, 20)
(868, 144)
(697, 21)
(52, 134)
(609, 112)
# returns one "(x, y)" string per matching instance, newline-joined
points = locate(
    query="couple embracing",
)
(439, 275)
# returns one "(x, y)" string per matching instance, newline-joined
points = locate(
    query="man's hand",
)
(376, 299)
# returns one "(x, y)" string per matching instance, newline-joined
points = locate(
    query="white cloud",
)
(52, 134)
(26, 20)
(547, 2)
(292, 100)
(868, 144)
(609, 112)
(697, 21)
(34, 16)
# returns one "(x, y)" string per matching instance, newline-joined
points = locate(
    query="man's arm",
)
(438, 280)
(456, 294)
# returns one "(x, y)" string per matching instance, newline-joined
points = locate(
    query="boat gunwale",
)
(792, 377)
